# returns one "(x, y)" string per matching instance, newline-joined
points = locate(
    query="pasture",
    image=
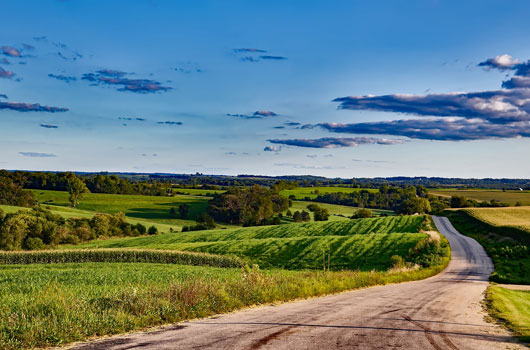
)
(352, 244)
(149, 208)
(335, 210)
(301, 193)
(510, 197)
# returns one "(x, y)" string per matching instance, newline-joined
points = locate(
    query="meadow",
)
(149, 208)
(512, 307)
(511, 216)
(54, 304)
(337, 212)
(302, 193)
(351, 244)
(510, 197)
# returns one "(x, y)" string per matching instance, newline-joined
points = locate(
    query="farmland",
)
(337, 212)
(511, 216)
(510, 197)
(354, 244)
(151, 208)
(301, 193)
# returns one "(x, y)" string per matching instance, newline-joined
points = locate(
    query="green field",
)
(510, 216)
(196, 192)
(353, 244)
(151, 208)
(510, 197)
(55, 304)
(336, 210)
(303, 192)
(512, 307)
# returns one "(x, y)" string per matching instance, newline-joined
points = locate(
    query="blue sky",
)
(342, 88)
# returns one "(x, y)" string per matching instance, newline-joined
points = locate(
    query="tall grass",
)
(48, 305)
(119, 255)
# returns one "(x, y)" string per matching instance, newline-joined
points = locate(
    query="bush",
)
(362, 213)
(152, 230)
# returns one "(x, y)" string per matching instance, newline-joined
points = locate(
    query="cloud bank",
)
(494, 114)
(335, 142)
(30, 107)
(117, 79)
(37, 155)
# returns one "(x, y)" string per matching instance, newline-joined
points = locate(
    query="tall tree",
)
(76, 188)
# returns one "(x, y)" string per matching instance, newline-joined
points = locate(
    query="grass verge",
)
(512, 308)
(55, 304)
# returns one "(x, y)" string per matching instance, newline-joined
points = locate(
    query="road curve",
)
(441, 312)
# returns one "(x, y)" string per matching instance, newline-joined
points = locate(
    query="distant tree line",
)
(39, 228)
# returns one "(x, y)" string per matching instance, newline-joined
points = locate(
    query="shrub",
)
(152, 230)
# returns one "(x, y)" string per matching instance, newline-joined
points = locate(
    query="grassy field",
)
(196, 192)
(303, 192)
(55, 304)
(510, 197)
(361, 243)
(336, 210)
(511, 216)
(150, 208)
(512, 307)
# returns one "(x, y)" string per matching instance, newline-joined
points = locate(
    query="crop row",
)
(119, 255)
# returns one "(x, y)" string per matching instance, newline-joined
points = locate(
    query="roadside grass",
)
(353, 244)
(511, 307)
(507, 246)
(55, 304)
(301, 193)
(510, 197)
(149, 208)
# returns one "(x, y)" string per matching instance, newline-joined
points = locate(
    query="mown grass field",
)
(509, 216)
(150, 208)
(512, 307)
(55, 304)
(353, 244)
(301, 193)
(510, 197)
(196, 191)
(337, 212)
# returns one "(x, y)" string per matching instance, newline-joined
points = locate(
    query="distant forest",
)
(160, 184)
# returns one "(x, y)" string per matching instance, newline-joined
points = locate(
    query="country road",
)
(442, 312)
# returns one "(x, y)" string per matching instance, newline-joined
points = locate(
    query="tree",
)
(152, 230)
(77, 189)
(305, 216)
(172, 211)
(414, 205)
(297, 217)
(184, 210)
(321, 214)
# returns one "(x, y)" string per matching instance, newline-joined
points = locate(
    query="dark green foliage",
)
(184, 210)
(507, 246)
(250, 207)
(429, 252)
(12, 193)
(119, 255)
(204, 222)
(152, 230)
(319, 214)
(172, 212)
(414, 205)
(39, 228)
